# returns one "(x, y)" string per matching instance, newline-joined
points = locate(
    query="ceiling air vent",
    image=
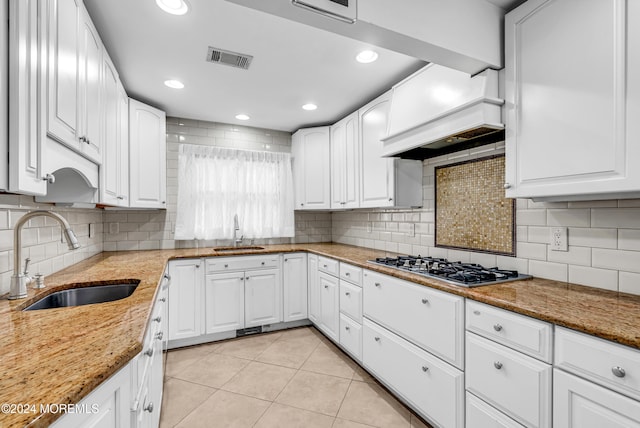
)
(233, 59)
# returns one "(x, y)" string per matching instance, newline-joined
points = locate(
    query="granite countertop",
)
(57, 356)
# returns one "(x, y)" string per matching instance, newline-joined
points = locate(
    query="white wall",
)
(604, 236)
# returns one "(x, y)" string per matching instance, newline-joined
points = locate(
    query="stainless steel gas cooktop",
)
(458, 273)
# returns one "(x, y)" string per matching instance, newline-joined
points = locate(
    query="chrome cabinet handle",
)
(347, 293)
(163, 299)
(425, 301)
(346, 327)
(148, 408)
(326, 286)
(246, 278)
(618, 371)
(149, 352)
(507, 185)
(157, 319)
(347, 274)
(120, 197)
(262, 263)
(49, 178)
(377, 284)
(167, 277)
(198, 266)
(425, 369)
(497, 365)
(325, 266)
(159, 336)
(497, 327)
(226, 266)
(377, 339)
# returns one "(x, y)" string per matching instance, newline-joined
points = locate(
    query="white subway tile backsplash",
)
(569, 217)
(628, 261)
(527, 250)
(575, 256)
(539, 234)
(629, 283)
(537, 217)
(593, 237)
(487, 260)
(513, 263)
(549, 270)
(601, 278)
(628, 218)
(629, 239)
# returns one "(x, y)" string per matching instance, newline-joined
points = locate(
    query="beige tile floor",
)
(288, 379)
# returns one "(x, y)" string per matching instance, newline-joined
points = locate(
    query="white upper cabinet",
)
(345, 163)
(74, 73)
(4, 94)
(311, 168)
(114, 173)
(573, 99)
(25, 136)
(148, 153)
(384, 182)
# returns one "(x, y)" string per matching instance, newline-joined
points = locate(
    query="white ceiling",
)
(293, 63)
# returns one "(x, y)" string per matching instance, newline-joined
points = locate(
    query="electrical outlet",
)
(559, 239)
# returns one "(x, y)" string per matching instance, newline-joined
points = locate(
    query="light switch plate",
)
(559, 239)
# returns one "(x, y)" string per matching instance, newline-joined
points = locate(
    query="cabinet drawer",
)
(481, 415)
(351, 336)
(351, 273)
(578, 403)
(515, 383)
(524, 334)
(434, 388)
(223, 264)
(328, 265)
(431, 319)
(351, 300)
(607, 363)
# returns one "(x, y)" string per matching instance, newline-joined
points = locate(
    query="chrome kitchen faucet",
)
(236, 228)
(20, 280)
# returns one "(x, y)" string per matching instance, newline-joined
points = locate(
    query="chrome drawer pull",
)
(497, 365)
(149, 352)
(377, 339)
(618, 371)
(159, 336)
(377, 284)
(326, 286)
(157, 319)
(425, 369)
(497, 327)
(167, 277)
(425, 301)
(163, 299)
(347, 294)
(346, 327)
(149, 408)
(347, 274)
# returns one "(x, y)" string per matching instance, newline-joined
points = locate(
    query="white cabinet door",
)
(25, 134)
(514, 383)
(345, 163)
(4, 95)
(64, 41)
(294, 279)
(224, 302)
(313, 289)
(377, 174)
(571, 121)
(123, 146)
(435, 388)
(111, 402)
(311, 168)
(90, 77)
(109, 172)
(262, 297)
(148, 151)
(578, 403)
(329, 305)
(185, 299)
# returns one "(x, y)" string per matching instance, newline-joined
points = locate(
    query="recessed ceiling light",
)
(174, 84)
(174, 7)
(309, 107)
(367, 56)
(242, 117)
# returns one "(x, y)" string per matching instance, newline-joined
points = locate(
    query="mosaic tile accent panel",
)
(471, 210)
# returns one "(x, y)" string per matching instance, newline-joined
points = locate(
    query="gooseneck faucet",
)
(20, 280)
(236, 228)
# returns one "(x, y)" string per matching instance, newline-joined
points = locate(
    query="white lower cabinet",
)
(185, 299)
(294, 287)
(262, 297)
(329, 305)
(313, 281)
(479, 414)
(516, 384)
(578, 403)
(107, 406)
(351, 337)
(407, 308)
(432, 387)
(224, 302)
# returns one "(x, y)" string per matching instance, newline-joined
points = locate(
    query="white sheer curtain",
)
(215, 184)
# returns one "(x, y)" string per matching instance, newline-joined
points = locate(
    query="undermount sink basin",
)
(83, 296)
(248, 247)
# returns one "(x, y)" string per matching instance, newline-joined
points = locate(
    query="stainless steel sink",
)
(83, 296)
(248, 247)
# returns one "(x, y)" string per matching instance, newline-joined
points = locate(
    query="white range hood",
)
(438, 107)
